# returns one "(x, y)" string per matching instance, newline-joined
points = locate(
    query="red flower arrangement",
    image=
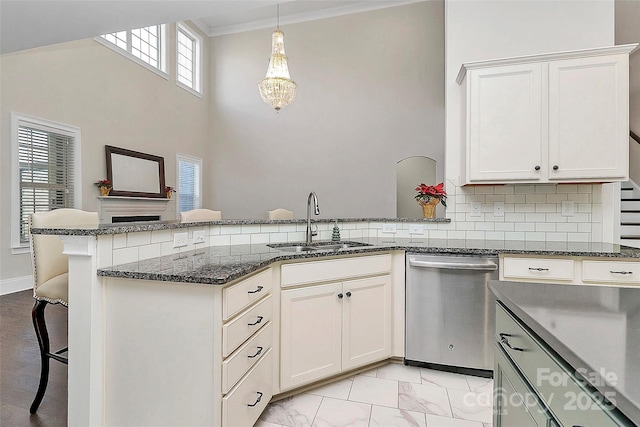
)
(103, 183)
(428, 192)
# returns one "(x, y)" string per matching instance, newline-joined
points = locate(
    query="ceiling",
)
(25, 24)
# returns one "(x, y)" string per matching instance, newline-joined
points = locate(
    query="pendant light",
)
(277, 89)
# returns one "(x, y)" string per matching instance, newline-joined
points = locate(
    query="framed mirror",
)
(135, 174)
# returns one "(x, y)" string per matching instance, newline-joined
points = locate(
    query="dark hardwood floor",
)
(20, 364)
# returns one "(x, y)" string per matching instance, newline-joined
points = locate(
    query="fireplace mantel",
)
(115, 206)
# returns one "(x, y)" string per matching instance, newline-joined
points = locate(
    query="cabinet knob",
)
(349, 294)
(537, 167)
(340, 295)
(555, 167)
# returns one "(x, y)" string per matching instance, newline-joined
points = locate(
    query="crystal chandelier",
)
(277, 89)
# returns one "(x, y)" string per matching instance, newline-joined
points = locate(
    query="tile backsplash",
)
(531, 213)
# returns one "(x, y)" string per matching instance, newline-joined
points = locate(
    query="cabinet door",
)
(515, 403)
(504, 124)
(311, 319)
(589, 118)
(366, 335)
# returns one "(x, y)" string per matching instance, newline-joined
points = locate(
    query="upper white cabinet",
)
(561, 117)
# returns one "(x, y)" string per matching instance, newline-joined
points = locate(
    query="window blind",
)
(188, 184)
(46, 164)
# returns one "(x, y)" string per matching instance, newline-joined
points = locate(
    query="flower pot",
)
(169, 193)
(104, 191)
(429, 208)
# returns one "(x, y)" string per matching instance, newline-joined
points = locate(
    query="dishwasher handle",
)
(489, 266)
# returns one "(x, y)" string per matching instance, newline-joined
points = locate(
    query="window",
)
(46, 171)
(146, 46)
(189, 182)
(188, 60)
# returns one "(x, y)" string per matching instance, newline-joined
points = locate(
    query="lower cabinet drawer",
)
(245, 324)
(537, 268)
(244, 404)
(569, 398)
(242, 294)
(236, 365)
(611, 272)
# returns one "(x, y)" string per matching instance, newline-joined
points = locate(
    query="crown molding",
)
(356, 7)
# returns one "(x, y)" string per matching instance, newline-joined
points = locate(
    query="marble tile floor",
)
(392, 395)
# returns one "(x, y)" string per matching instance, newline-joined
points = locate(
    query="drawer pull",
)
(258, 289)
(257, 353)
(504, 339)
(538, 269)
(620, 272)
(257, 400)
(256, 322)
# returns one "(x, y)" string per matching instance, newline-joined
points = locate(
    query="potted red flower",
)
(169, 191)
(429, 196)
(105, 186)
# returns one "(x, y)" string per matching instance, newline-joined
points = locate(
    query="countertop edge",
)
(250, 267)
(168, 225)
(623, 403)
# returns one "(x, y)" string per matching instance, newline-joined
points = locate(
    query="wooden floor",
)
(20, 364)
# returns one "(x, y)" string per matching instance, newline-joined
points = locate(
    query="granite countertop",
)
(131, 227)
(219, 265)
(595, 328)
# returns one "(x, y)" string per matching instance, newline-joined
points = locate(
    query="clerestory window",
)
(145, 45)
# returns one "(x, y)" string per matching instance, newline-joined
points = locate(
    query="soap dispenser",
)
(335, 236)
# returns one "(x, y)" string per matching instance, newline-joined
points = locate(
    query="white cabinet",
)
(570, 270)
(310, 334)
(328, 328)
(589, 118)
(196, 354)
(505, 122)
(547, 118)
(366, 321)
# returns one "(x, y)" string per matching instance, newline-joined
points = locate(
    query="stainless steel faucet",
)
(316, 209)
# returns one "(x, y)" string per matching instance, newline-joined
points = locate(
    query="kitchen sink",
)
(318, 246)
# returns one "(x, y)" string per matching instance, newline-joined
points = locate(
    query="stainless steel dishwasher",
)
(450, 312)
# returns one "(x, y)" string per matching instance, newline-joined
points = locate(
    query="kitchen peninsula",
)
(150, 337)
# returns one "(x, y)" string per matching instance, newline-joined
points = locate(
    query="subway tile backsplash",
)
(531, 213)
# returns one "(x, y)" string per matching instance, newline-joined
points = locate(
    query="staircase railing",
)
(634, 136)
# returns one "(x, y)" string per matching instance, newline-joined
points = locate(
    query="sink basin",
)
(318, 246)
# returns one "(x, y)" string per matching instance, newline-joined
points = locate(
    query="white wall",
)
(113, 100)
(481, 30)
(370, 93)
(628, 31)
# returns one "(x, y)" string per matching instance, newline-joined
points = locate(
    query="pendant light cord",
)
(278, 16)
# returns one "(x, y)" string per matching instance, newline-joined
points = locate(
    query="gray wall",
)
(113, 100)
(370, 93)
(628, 31)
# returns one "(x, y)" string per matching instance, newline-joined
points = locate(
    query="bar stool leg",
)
(37, 314)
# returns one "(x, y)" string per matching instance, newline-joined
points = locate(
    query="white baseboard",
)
(16, 284)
